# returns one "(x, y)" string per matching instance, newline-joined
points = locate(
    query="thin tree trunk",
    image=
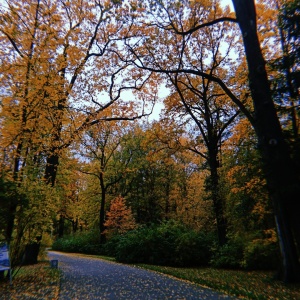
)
(281, 176)
(61, 226)
(75, 225)
(218, 204)
(51, 168)
(102, 209)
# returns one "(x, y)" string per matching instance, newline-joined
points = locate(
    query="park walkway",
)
(85, 277)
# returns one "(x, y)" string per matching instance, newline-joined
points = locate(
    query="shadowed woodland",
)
(88, 163)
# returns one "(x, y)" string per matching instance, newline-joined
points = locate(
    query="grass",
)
(33, 282)
(249, 285)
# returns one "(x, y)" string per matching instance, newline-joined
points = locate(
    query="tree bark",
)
(31, 253)
(218, 205)
(75, 225)
(102, 209)
(51, 167)
(61, 226)
(281, 176)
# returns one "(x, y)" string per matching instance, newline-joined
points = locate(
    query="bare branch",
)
(216, 21)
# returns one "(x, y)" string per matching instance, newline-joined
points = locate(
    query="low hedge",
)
(83, 242)
(166, 244)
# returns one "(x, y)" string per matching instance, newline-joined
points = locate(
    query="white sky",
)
(227, 2)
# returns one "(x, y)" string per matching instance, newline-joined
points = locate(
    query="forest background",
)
(214, 180)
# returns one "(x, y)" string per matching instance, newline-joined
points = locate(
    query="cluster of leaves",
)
(119, 218)
(259, 254)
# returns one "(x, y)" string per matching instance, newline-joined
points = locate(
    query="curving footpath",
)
(93, 278)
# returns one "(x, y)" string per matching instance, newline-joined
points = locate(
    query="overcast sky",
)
(227, 2)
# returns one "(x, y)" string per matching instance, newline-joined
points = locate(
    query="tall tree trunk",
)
(13, 204)
(75, 225)
(281, 176)
(218, 203)
(61, 226)
(167, 194)
(102, 209)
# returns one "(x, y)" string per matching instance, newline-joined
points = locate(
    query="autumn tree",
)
(212, 117)
(99, 146)
(58, 48)
(58, 76)
(119, 218)
(282, 179)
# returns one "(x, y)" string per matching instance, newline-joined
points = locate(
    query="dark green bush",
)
(261, 255)
(194, 248)
(229, 256)
(110, 246)
(83, 242)
(166, 244)
(137, 246)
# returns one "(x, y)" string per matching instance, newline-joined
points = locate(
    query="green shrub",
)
(261, 255)
(131, 247)
(166, 244)
(229, 256)
(110, 246)
(83, 242)
(194, 248)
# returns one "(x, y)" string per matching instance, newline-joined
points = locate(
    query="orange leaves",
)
(48, 71)
(119, 219)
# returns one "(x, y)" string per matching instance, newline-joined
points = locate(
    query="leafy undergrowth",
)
(249, 285)
(32, 282)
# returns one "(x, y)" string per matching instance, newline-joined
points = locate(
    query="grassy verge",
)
(249, 285)
(33, 282)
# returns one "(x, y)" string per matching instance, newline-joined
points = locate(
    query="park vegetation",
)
(212, 180)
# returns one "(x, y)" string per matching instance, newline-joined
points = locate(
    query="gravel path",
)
(93, 278)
